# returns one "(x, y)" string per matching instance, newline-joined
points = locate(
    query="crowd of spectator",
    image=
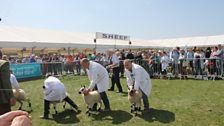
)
(177, 61)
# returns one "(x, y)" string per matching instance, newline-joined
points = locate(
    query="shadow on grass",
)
(66, 117)
(116, 116)
(124, 94)
(162, 116)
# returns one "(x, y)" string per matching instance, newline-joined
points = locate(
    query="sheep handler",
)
(54, 90)
(137, 76)
(99, 80)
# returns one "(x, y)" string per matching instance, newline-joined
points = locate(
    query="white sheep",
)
(20, 96)
(54, 103)
(90, 99)
(134, 97)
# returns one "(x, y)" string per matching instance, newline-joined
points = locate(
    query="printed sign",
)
(26, 70)
(100, 35)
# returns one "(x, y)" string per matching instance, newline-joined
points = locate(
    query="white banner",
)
(100, 35)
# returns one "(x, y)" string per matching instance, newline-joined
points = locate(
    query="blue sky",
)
(146, 19)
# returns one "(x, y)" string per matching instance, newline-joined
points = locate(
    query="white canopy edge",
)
(16, 37)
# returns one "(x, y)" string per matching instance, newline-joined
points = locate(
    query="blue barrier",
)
(26, 70)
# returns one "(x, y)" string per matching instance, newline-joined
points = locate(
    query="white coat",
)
(140, 78)
(165, 62)
(14, 82)
(54, 89)
(98, 75)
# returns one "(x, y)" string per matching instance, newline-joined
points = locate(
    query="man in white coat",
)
(54, 90)
(14, 82)
(137, 76)
(99, 80)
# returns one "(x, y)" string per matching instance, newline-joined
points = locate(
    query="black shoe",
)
(146, 110)
(78, 110)
(119, 91)
(44, 117)
(110, 89)
(107, 110)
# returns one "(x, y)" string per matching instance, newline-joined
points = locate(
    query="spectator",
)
(32, 59)
(26, 59)
(77, 64)
(38, 59)
(165, 63)
(130, 55)
(174, 56)
(115, 79)
(190, 56)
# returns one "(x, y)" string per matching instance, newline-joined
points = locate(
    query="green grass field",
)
(173, 103)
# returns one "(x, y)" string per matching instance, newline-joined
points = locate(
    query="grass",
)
(173, 103)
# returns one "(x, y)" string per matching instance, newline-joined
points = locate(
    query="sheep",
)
(54, 103)
(90, 99)
(134, 97)
(20, 96)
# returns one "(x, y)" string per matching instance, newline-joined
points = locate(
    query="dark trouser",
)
(145, 100)
(70, 102)
(47, 105)
(4, 108)
(122, 68)
(116, 79)
(105, 99)
(78, 69)
(54, 66)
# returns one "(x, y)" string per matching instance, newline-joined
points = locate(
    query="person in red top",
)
(70, 64)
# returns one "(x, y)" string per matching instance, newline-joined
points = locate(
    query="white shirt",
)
(165, 62)
(115, 60)
(140, 78)
(14, 82)
(98, 75)
(54, 89)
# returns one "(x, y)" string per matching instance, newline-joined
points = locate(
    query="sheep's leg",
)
(89, 110)
(29, 103)
(138, 105)
(56, 112)
(132, 107)
(99, 109)
(21, 104)
(64, 105)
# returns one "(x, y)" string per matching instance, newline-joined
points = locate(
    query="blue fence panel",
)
(26, 70)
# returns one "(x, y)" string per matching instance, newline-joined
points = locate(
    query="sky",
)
(144, 19)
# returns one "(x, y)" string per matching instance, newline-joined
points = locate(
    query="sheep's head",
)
(131, 90)
(82, 89)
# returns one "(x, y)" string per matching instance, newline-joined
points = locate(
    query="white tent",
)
(15, 37)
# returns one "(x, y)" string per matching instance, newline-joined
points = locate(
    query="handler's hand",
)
(15, 118)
